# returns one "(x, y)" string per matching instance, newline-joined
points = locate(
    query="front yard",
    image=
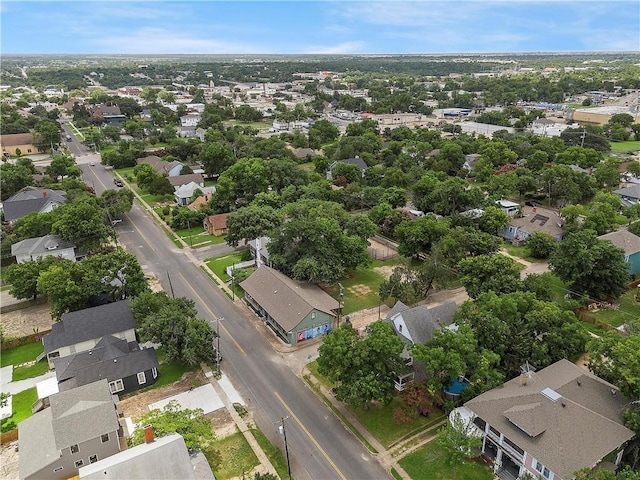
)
(21, 404)
(430, 462)
(23, 360)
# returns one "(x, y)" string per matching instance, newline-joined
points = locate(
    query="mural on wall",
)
(313, 332)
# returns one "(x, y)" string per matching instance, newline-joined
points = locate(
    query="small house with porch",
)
(628, 242)
(534, 219)
(296, 311)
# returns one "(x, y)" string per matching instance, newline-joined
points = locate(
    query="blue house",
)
(628, 242)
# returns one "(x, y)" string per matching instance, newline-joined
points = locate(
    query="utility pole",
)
(584, 134)
(218, 343)
(283, 431)
(340, 302)
(170, 285)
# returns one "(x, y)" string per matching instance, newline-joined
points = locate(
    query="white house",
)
(40, 247)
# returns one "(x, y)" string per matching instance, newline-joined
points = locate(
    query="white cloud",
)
(159, 41)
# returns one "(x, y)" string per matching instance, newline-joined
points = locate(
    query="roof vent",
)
(579, 383)
(551, 394)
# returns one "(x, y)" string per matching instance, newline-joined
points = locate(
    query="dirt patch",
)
(137, 404)
(222, 423)
(385, 271)
(27, 321)
(360, 290)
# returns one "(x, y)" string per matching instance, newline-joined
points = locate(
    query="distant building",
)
(24, 142)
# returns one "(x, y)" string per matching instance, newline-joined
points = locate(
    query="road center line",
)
(213, 315)
(315, 442)
(140, 233)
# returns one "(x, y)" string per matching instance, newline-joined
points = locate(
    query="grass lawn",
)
(35, 370)
(21, 406)
(629, 309)
(4, 288)
(198, 237)
(22, 354)
(236, 457)
(624, 147)
(378, 419)
(277, 458)
(361, 287)
(521, 251)
(429, 462)
(168, 372)
(219, 264)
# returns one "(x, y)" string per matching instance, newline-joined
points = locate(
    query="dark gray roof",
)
(185, 179)
(29, 200)
(629, 192)
(357, 161)
(578, 429)
(287, 301)
(623, 239)
(39, 245)
(90, 323)
(112, 358)
(421, 322)
(74, 417)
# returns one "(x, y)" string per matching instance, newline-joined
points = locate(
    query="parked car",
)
(115, 221)
(118, 182)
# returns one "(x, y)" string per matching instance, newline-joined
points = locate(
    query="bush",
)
(166, 211)
(541, 244)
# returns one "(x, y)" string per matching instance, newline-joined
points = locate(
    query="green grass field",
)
(219, 264)
(197, 237)
(24, 353)
(236, 457)
(277, 458)
(21, 404)
(629, 309)
(624, 147)
(430, 463)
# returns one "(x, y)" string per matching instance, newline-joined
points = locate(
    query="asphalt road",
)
(319, 445)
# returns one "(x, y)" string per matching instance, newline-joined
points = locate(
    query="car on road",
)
(93, 164)
(117, 182)
(115, 221)
(68, 138)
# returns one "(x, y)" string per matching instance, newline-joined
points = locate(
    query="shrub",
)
(541, 244)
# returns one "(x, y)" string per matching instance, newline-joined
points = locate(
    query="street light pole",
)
(283, 432)
(340, 301)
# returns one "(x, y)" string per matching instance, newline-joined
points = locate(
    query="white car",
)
(115, 221)
(93, 164)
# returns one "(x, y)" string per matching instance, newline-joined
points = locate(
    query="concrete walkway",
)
(22, 385)
(265, 463)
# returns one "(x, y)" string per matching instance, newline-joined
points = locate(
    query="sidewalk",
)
(22, 385)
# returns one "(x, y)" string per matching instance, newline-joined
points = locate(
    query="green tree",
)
(23, 277)
(418, 236)
(62, 166)
(590, 266)
(47, 134)
(250, 223)
(66, 287)
(362, 369)
(82, 223)
(119, 273)
(486, 273)
(194, 427)
(13, 178)
(493, 220)
(116, 202)
(215, 158)
(459, 440)
(34, 225)
(541, 244)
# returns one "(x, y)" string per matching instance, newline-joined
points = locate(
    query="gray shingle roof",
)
(287, 301)
(179, 180)
(39, 245)
(421, 321)
(574, 432)
(74, 417)
(112, 358)
(623, 239)
(90, 323)
(31, 199)
(629, 192)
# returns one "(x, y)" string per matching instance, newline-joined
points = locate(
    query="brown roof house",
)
(549, 423)
(534, 219)
(295, 311)
(216, 224)
(24, 142)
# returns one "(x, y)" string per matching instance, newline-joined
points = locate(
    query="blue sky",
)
(322, 27)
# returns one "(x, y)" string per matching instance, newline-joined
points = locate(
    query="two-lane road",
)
(319, 445)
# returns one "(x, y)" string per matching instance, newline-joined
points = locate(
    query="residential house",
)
(80, 427)
(82, 330)
(416, 325)
(629, 195)
(192, 132)
(295, 311)
(32, 200)
(32, 249)
(216, 224)
(184, 193)
(101, 111)
(22, 142)
(508, 207)
(259, 251)
(549, 128)
(357, 161)
(304, 153)
(628, 242)
(123, 364)
(157, 459)
(534, 219)
(550, 423)
(180, 180)
(200, 202)
(162, 167)
(469, 160)
(190, 120)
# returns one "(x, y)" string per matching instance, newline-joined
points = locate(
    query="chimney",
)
(44, 194)
(149, 437)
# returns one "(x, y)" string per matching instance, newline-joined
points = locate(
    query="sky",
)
(317, 27)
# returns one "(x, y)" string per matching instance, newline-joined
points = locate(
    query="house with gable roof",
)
(628, 242)
(81, 330)
(534, 219)
(550, 423)
(162, 167)
(357, 161)
(216, 224)
(296, 311)
(24, 142)
(80, 427)
(629, 195)
(32, 249)
(32, 200)
(417, 325)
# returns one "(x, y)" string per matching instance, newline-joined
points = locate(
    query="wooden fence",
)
(8, 437)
